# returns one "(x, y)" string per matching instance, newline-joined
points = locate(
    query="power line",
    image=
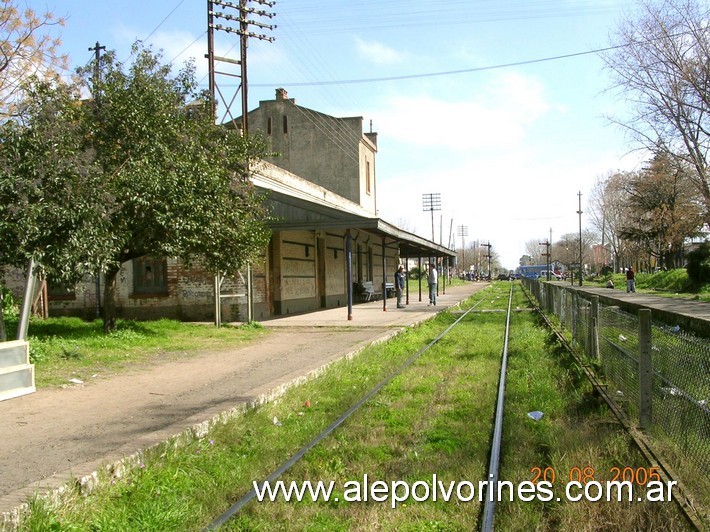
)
(443, 73)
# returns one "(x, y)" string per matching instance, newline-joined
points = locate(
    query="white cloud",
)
(491, 117)
(378, 53)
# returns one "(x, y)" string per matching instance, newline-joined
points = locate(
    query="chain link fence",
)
(679, 409)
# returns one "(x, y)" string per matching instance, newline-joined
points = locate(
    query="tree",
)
(51, 198)
(661, 61)
(663, 209)
(27, 49)
(180, 182)
(566, 249)
(607, 208)
(534, 250)
(170, 181)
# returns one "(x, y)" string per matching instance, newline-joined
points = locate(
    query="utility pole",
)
(579, 212)
(97, 99)
(97, 71)
(462, 231)
(432, 202)
(489, 257)
(547, 254)
(239, 24)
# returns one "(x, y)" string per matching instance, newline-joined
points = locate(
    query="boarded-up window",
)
(150, 276)
(58, 291)
(285, 124)
(268, 126)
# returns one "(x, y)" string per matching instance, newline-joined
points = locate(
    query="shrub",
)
(699, 265)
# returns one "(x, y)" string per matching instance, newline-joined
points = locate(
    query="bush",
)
(699, 265)
(415, 273)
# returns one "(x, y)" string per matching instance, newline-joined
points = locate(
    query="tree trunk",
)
(110, 286)
(3, 330)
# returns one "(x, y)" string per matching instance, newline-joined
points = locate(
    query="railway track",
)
(486, 517)
(496, 433)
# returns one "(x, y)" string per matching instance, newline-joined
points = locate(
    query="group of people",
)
(400, 277)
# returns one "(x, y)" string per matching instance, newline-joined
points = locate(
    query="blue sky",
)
(507, 147)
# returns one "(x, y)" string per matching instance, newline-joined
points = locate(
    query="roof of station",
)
(298, 204)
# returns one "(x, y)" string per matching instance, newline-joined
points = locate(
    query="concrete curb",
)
(130, 456)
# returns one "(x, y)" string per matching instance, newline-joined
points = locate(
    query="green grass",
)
(70, 348)
(435, 418)
(671, 283)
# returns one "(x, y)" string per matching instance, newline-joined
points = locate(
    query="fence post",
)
(645, 370)
(595, 328)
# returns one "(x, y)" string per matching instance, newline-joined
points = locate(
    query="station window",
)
(150, 276)
(268, 126)
(285, 124)
(368, 186)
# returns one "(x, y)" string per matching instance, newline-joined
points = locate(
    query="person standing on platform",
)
(399, 285)
(433, 279)
(630, 280)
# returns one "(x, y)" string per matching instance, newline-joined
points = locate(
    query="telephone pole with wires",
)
(233, 17)
(97, 100)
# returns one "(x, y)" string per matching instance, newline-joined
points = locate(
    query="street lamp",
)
(489, 257)
(579, 212)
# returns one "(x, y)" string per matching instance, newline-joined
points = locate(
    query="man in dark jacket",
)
(399, 285)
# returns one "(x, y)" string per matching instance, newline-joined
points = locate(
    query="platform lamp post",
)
(462, 231)
(489, 246)
(579, 212)
(547, 255)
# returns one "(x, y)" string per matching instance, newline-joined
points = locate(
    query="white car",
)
(553, 276)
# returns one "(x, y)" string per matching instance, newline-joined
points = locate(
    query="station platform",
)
(57, 435)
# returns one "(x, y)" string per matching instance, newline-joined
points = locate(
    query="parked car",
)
(553, 276)
(503, 277)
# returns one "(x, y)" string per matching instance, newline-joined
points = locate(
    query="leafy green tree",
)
(51, 199)
(180, 183)
(164, 179)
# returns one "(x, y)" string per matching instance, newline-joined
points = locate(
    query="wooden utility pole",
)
(236, 20)
(97, 99)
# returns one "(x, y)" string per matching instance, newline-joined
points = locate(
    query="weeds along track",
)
(436, 418)
(644, 444)
(494, 433)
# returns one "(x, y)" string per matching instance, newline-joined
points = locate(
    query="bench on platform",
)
(369, 293)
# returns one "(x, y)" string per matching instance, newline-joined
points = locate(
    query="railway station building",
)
(328, 243)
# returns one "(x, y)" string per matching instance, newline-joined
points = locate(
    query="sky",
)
(471, 99)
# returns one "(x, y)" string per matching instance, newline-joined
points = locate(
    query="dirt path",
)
(55, 435)
(65, 433)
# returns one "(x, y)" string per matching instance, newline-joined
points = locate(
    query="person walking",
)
(630, 280)
(399, 285)
(433, 279)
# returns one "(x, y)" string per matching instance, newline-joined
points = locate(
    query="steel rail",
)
(490, 503)
(330, 428)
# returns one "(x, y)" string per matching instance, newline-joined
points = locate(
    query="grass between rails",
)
(70, 348)
(433, 419)
(577, 436)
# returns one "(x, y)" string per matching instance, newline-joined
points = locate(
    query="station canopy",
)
(297, 204)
